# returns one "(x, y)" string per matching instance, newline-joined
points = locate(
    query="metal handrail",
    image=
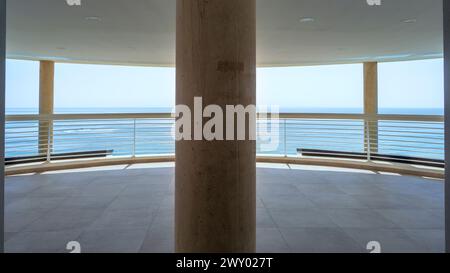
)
(131, 134)
(380, 117)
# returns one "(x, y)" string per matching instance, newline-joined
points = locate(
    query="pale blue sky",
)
(417, 84)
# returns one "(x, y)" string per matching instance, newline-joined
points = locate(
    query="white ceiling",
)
(142, 32)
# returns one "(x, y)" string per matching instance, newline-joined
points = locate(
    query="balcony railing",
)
(396, 138)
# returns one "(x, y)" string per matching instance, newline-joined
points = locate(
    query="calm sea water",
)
(155, 136)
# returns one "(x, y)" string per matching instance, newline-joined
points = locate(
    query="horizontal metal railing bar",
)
(34, 140)
(27, 143)
(58, 117)
(155, 134)
(87, 144)
(325, 135)
(144, 132)
(106, 128)
(156, 141)
(432, 120)
(424, 118)
(409, 151)
(319, 122)
(428, 154)
(323, 129)
(326, 129)
(434, 125)
(411, 127)
(90, 139)
(409, 141)
(149, 130)
(21, 128)
(22, 132)
(90, 136)
(37, 126)
(407, 132)
(79, 139)
(325, 124)
(147, 122)
(161, 141)
(343, 147)
(21, 137)
(416, 148)
(22, 150)
(382, 117)
(291, 143)
(340, 132)
(310, 140)
(111, 145)
(405, 149)
(90, 144)
(404, 144)
(92, 126)
(10, 146)
(442, 138)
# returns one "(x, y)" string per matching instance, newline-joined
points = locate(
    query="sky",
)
(413, 84)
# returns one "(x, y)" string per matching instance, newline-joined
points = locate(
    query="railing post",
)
(285, 138)
(134, 138)
(368, 140)
(49, 140)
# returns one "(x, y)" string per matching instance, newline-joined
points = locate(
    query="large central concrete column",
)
(215, 180)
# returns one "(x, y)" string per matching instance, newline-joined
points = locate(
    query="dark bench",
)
(373, 156)
(61, 156)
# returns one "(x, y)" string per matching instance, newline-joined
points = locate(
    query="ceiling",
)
(142, 32)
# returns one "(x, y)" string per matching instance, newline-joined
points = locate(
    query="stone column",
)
(215, 180)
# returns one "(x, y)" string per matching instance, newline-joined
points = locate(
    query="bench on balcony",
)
(61, 156)
(373, 156)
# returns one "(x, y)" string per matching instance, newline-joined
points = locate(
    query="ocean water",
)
(155, 137)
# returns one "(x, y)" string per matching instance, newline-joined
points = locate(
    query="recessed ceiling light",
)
(306, 20)
(409, 21)
(93, 18)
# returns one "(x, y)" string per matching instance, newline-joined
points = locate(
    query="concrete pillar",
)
(215, 180)
(371, 103)
(447, 121)
(2, 117)
(46, 86)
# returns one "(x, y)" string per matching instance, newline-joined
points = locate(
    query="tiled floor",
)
(297, 211)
